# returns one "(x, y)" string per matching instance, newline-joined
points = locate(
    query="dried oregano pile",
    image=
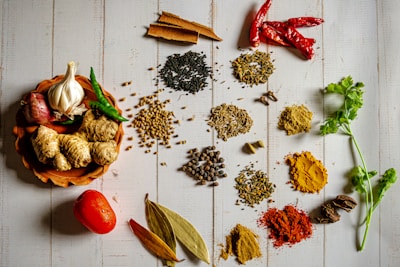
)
(253, 68)
(229, 121)
(187, 72)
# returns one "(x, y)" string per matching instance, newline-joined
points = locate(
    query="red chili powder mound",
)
(288, 226)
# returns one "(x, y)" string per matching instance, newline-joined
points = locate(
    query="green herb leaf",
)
(387, 180)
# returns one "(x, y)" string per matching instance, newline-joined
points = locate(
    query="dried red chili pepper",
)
(304, 21)
(300, 42)
(272, 34)
(257, 23)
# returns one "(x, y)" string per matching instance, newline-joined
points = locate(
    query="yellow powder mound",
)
(295, 119)
(307, 173)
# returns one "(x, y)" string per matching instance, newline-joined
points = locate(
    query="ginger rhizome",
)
(93, 142)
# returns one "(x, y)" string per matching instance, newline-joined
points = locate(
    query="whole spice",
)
(205, 165)
(344, 202)
(229, 121)
(187, 72)
(242, 243)
(286, 227)
(187, 234)
(305, 22)
(65, 97)
(174, 33)
(153, 122)
(257, 23)
(329, 213)
(102, 103)
(308, 174)
(295, 119)
(352, 95)
(161, 226)
(253, 186)
(152, 242)
(253, 68)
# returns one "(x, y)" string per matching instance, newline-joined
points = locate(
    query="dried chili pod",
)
(257, 23)
(304, 21)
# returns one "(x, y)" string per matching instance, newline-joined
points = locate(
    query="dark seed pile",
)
(253, 186)
(187, 72)
(205, 165)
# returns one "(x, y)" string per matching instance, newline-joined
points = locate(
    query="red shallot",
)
(36, 109)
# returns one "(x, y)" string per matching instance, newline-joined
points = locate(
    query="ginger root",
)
(93, 142)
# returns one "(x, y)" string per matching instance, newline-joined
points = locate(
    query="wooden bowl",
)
(23, 132)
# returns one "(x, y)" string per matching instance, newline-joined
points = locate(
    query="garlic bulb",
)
(65, 97)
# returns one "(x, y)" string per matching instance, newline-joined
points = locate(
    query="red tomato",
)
(93, 210)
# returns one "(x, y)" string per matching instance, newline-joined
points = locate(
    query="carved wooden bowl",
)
(23, 131)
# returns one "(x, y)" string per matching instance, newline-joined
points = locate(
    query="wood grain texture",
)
(358, 38)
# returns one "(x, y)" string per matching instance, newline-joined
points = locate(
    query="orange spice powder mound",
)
(308, 174)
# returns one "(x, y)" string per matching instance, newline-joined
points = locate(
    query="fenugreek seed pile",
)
(253, 186)
(153, 122)
(188, 72)
(253, 68)
(205, 165)
(229, 121)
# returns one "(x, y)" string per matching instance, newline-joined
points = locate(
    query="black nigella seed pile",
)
(188, 72)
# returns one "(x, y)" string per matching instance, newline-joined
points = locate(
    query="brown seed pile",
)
(229, 121)
(253, 68)
(253, 186)
(205, 165)
(153, 122)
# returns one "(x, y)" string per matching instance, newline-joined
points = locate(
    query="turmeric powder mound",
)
(295, 119)
(308, 174)
(242, 243)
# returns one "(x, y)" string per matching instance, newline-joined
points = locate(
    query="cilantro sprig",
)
(360, 176)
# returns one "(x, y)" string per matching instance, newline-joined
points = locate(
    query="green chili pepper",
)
(69, 122)
(109, 111)
(102, 103)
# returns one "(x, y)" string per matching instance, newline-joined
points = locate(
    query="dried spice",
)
(205, 165)
(286, 227)
(153, 123)
(152, 242)
(187, 72)
(308, 174)
(229, 121)
(295, 119)
(161, 226)
(187, 234)
(174, 33)
(242, 243)
(253, 68)
(253, 186)
(329, 213)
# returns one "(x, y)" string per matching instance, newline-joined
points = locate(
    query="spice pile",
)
(253, 68)
(295, 119)
(286, 227)
(205, 166)
(154, 122)
(187, 72)
(253, 186)
(229, 121)
(308, 174)
(242, 243)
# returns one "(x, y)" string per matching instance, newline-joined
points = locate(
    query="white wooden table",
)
(358, 38)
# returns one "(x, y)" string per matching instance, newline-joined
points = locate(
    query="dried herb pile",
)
(253, 186)
(188, 72)
(253, 68)
(229, 121)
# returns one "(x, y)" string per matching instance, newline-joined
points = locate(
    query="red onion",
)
(36, 109)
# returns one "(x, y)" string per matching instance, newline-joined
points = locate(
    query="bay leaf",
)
(161, 226)
(152, 242)
(187, 234)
